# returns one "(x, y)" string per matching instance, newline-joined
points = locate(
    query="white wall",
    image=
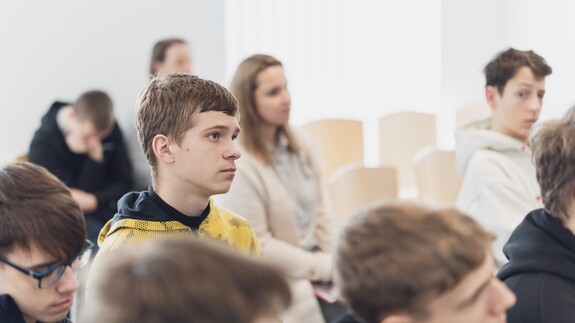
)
(57, 49)
(358, 59)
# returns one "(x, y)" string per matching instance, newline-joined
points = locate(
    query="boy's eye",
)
(214, 136)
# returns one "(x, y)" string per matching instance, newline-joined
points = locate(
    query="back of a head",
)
(37, 209)
(184, 280)
(97, 108)
(169, 104)
(506, 64)
(395, 258)
(553, 152)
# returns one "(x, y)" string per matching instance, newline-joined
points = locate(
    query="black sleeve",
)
(110, 179)
(46, 151)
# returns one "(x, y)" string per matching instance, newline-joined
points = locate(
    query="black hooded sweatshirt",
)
(107, 180)
(541, 270)
(10, 313)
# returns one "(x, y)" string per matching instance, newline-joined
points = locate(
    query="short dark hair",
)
(506, 64)
(185, 280)
(410, 253)
(37, 209)
(96, 107)
(160, 49)
(169, 104)
(553, 152)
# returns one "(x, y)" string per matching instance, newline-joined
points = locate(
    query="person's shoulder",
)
(554, 284)
(136, 226)
(55, 107)
(486, 155)
(116, 131)
(558, 299)
(229, 221)
(487, 162)
(137, 218)
(132, 231)
(234, 228)
(230, 216)
(541, 296)
(9, 311)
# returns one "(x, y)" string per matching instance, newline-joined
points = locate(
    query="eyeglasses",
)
(54, 272)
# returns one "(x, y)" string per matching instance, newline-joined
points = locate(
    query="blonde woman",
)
(277, 185)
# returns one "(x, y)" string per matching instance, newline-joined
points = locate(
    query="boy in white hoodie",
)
(499, 184)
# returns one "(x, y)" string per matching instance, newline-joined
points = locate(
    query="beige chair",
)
(437, 178)
(339, 141)
(353, 187)
(472, 115)
(401, 136)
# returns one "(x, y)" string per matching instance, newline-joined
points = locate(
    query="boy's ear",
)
(162, 146)
(491, 95)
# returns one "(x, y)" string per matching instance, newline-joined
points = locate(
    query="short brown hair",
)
(96, 107)
(160, 49)
(553, 152)
(37, 209)
(185, 280)
(397, 257)
(506, 64)
(169, 104)
(243, 86)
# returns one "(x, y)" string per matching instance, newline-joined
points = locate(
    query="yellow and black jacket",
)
(144, 216)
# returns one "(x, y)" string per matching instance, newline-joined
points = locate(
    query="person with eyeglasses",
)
(42, 242)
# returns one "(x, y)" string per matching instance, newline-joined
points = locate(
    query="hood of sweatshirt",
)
(540, 244)
(138, 210)
(139, 205)
(471, 141)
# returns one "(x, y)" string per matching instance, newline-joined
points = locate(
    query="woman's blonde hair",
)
(243, 86)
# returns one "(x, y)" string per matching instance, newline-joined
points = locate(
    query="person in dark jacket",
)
(42, 242)
(541, 250)
(82, 145)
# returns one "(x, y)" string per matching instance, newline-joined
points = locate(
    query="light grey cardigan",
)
(258, 195)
